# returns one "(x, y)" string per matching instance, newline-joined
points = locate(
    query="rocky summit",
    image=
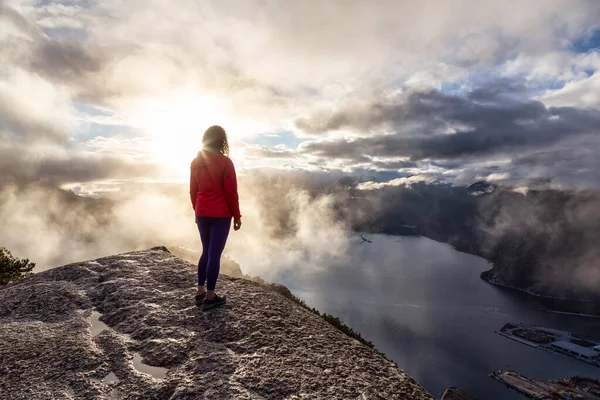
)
(126, 327)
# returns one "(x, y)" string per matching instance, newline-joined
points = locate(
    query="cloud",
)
(54, 227)
(407, 181)
(288, 51)
(423, 127)
(62, 61)
(33, 108)
(355, 78)
(263, 152)
(583, 93)
(573, 164)
(391, 164)
(20, 23)
(56, 16)
(498, 176)
(544, 239)
(288, 221)
(26, 163)
(41, 80)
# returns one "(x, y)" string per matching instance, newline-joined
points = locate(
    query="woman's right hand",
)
(237, 224)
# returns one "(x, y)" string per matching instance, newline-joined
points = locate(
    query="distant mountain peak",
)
(481, 187)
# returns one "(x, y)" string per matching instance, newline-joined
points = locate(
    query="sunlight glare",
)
(176, 124)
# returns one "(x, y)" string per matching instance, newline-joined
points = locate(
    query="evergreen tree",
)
(13, 269)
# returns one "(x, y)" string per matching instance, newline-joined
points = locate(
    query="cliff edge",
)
(126, 327)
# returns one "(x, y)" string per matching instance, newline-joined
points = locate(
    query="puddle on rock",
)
(97, 325)
(157, 372)
(111, 377)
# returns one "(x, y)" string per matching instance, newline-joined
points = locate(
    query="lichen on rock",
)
(260, 346)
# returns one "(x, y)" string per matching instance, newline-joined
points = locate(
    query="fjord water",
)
(423, 304)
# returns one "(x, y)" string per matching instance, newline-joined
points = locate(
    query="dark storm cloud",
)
(558, 155)
(447, 164)
(488, 124)
(423, 113)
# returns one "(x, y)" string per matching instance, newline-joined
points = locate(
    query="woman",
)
(213, 191)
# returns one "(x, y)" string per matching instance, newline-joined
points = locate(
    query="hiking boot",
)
(200, 299)
(216, 301)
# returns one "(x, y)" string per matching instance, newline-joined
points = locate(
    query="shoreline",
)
(530, 292)
(572, 313)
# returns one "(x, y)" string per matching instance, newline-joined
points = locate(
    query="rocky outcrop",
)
(151, 342)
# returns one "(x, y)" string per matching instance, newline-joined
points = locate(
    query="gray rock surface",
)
(260, 346)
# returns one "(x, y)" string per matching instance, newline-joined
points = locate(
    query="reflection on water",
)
(111, 377)
(97, 325)
(424, 305)
(156, 372)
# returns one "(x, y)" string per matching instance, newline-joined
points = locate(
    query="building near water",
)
(570, 344)
(575, 349)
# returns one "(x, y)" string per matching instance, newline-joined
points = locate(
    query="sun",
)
(176, 122)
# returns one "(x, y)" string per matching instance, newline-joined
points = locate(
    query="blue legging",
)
(213, 234)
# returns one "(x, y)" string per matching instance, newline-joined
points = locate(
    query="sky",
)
(95, 94)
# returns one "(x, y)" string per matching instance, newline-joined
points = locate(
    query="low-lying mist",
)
(541, 240)
(53, 227)
(286, 224)
(546, 239)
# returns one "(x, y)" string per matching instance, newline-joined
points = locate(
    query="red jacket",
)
(213, 186)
